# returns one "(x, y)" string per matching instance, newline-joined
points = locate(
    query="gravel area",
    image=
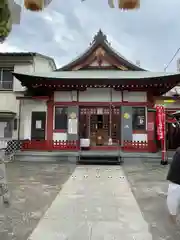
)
(33, 187)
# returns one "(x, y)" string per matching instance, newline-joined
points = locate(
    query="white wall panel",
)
(29, 106)
(59, 136)
(95, 95)
(134, 96)
(139, 137)
(65, 96)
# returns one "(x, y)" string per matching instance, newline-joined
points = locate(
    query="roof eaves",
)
(82, 55)
(126, 61)
(101, 75)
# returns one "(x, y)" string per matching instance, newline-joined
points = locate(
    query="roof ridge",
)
(99, 39)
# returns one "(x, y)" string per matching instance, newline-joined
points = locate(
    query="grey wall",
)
(126, 124)
(74, 109)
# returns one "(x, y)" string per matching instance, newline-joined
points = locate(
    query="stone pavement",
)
(149, 186)
(94, 204)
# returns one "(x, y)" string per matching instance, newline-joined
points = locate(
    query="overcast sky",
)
(65, 29)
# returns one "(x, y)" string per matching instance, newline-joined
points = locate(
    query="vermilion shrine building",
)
(98, 101)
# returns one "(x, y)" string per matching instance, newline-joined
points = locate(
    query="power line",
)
(171, 59)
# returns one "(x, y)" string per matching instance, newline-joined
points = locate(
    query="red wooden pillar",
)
(152, 146)
(49, 124)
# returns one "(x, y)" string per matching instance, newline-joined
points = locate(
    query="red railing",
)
(135, 146)
(44, 145)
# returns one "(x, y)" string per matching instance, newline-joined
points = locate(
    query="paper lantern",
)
(36, 5)
(5, 21)
(129, 4)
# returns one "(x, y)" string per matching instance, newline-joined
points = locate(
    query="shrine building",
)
(98, 101)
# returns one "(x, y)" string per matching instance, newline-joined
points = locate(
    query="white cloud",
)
(66, 28)
(5, 47)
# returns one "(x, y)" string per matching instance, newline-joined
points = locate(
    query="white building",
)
(11, 88)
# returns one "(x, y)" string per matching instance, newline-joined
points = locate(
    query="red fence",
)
(135, 146)
(44, 145)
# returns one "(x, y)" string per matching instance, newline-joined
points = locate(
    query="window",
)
(139, 118)
(6, 79)
(6, 128)
(60, 118)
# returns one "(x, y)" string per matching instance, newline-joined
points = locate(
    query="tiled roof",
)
(103, 74)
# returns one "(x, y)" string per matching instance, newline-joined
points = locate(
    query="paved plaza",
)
(95, 202)
(149, 186)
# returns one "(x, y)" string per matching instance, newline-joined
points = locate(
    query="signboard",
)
(72, 126)
(38, 124)
(150, 126)
(126, 127)
(160, 122)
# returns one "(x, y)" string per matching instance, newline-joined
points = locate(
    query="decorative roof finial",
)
(100, 37)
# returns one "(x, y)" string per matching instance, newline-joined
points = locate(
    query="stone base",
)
(164, 162)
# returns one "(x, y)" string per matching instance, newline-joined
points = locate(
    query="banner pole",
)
(164, 160)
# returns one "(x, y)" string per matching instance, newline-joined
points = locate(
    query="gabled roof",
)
(100, 40)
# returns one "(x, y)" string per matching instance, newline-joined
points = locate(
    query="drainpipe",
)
(19, 119)
(110, 118)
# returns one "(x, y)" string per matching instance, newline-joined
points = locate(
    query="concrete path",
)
(94, 204)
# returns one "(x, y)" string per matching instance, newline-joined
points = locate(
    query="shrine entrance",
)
(101, 125)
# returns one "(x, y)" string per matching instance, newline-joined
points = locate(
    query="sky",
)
(65, 29)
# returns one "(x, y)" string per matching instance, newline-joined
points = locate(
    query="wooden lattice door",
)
(83, 123)
(116, 125)
(93, 129)
(106, 126)
(99, 130)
